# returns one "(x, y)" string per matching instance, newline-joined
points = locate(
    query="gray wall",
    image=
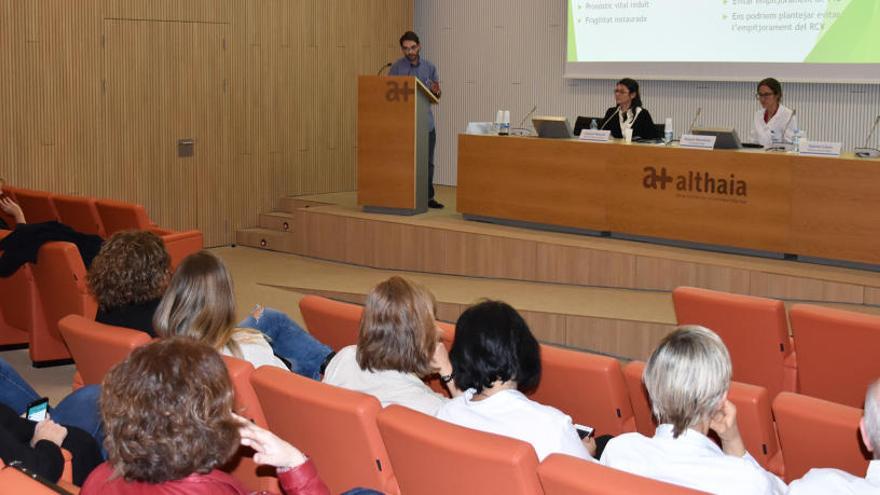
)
(509, 54)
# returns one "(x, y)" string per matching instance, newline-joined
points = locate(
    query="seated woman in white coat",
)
(687, 378)
(494, 359)
(774, 124)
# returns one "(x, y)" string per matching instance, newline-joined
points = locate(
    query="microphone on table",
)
(781, 146)
(785, 127)
(379, 73)
(694, 122)
(523, 121)
(866, 151)
(617, 111)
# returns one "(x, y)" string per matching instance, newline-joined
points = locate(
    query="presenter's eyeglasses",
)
(764, 95)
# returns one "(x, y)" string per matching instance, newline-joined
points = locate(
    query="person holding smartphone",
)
(37, 446)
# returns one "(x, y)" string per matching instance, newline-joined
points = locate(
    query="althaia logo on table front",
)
(694, 182)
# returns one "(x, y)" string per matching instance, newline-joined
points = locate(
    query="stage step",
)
(268, 239)
(280, 221)
(290, 204)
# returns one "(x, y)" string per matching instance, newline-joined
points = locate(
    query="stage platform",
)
(331, 227)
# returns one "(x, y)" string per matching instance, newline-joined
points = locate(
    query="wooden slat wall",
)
(287, 125)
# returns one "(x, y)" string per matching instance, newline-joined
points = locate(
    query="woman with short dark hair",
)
(628, 112)
(495, 358)
(398, 346)
(169, 425)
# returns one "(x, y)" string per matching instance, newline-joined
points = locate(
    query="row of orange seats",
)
(330, 423)
(38, 295)
(812, 350)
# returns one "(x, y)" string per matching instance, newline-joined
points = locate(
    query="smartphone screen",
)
(584, 431)
(38, 409)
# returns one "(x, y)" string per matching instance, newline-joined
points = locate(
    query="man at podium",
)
(411, 64)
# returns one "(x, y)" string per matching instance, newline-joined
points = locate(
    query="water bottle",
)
(667, 131)
(499, 120)
(594, 125)
(796, 141)
(505, 124)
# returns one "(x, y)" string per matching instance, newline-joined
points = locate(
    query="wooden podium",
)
(392, 156)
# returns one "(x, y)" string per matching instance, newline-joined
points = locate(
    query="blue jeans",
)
(291, 342)
(14, 391)
(79, 409)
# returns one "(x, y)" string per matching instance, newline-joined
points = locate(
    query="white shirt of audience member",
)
(255, 350)
(512, 414)
(390, 387)
(692, 460)
(828, 481)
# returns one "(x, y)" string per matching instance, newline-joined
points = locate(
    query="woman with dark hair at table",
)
(628, 112)
(774, 123)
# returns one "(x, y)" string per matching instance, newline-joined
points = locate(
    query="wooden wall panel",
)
(286, 125)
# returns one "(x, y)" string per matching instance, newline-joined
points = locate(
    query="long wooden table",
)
(826, 207)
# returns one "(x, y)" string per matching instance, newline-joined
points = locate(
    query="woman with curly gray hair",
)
(687, 378)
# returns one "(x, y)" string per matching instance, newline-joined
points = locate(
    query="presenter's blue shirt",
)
(425, 71)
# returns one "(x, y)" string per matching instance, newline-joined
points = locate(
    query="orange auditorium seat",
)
(588, 387)
(36, 205)
(118, 215)
(61, 285)
(565, 475)
(17, 306)
(433, 457)
(815, 433)
(754, 329)
(753, 416)
(14, 481)
(254, 477)
(646, 424)
(836, 358)
(80, 213)
(96, 347)
(333, 426)
(334, 323)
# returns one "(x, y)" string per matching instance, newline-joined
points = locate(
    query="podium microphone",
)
(866, 151)
(617, 111)
(694, 122)
(379, 73)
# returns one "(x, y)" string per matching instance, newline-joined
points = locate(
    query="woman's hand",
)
(10, 207)
(49, 430)
(270, 449)
(440, 360)
(724, 424)
(590, 444)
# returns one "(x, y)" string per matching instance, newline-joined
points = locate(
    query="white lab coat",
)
(779, 130)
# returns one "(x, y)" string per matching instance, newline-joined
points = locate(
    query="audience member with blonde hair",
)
(827, 480)
(398, 345)
(128, 278)
(169, 426)
(200, 303)
(687, 378)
